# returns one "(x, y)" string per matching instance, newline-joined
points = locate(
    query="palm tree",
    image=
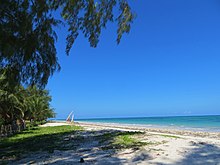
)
(38, 103)
(20, 104)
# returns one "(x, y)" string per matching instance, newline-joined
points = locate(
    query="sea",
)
(210, 123)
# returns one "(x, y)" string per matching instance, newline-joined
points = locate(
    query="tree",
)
(8, 101)
(37, 102)
(27, 36)
(20, 104)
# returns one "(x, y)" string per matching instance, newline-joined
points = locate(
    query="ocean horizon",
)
(209, 123)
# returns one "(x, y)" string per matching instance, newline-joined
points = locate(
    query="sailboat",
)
(70, 117)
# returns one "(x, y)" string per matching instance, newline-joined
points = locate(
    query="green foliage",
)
(120, 140)
(8, 101)
(89, 17)
(35, 139)
(125, 140)
(36, 104)
(19, 104)
(27, 47)
(27, 42)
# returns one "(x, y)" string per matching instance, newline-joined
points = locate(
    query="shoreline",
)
(129, 127)
(146, 128)
(195, 127)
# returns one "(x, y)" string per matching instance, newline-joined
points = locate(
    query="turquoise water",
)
(197, 123)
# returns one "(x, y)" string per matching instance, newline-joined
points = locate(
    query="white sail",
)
(72, 117)
(68, 118)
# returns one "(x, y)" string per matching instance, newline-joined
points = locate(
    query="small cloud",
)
(187, 112)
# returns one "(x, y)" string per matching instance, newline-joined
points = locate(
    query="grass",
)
(63, 138)
(127, 141)
(121, 140)
(36, 139)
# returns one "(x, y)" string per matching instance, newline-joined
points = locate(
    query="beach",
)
(101, 82)
(162, 146)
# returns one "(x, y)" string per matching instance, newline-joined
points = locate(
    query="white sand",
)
(169, 147)
(50, 124)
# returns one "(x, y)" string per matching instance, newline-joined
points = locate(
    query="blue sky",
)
(167, 65)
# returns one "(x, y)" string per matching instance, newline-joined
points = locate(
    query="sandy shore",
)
(52, 124)
(167, 147)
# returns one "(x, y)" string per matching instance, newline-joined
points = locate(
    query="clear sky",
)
(168, 65)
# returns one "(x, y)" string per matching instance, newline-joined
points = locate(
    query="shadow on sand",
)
(95, 148)
(203, 154)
